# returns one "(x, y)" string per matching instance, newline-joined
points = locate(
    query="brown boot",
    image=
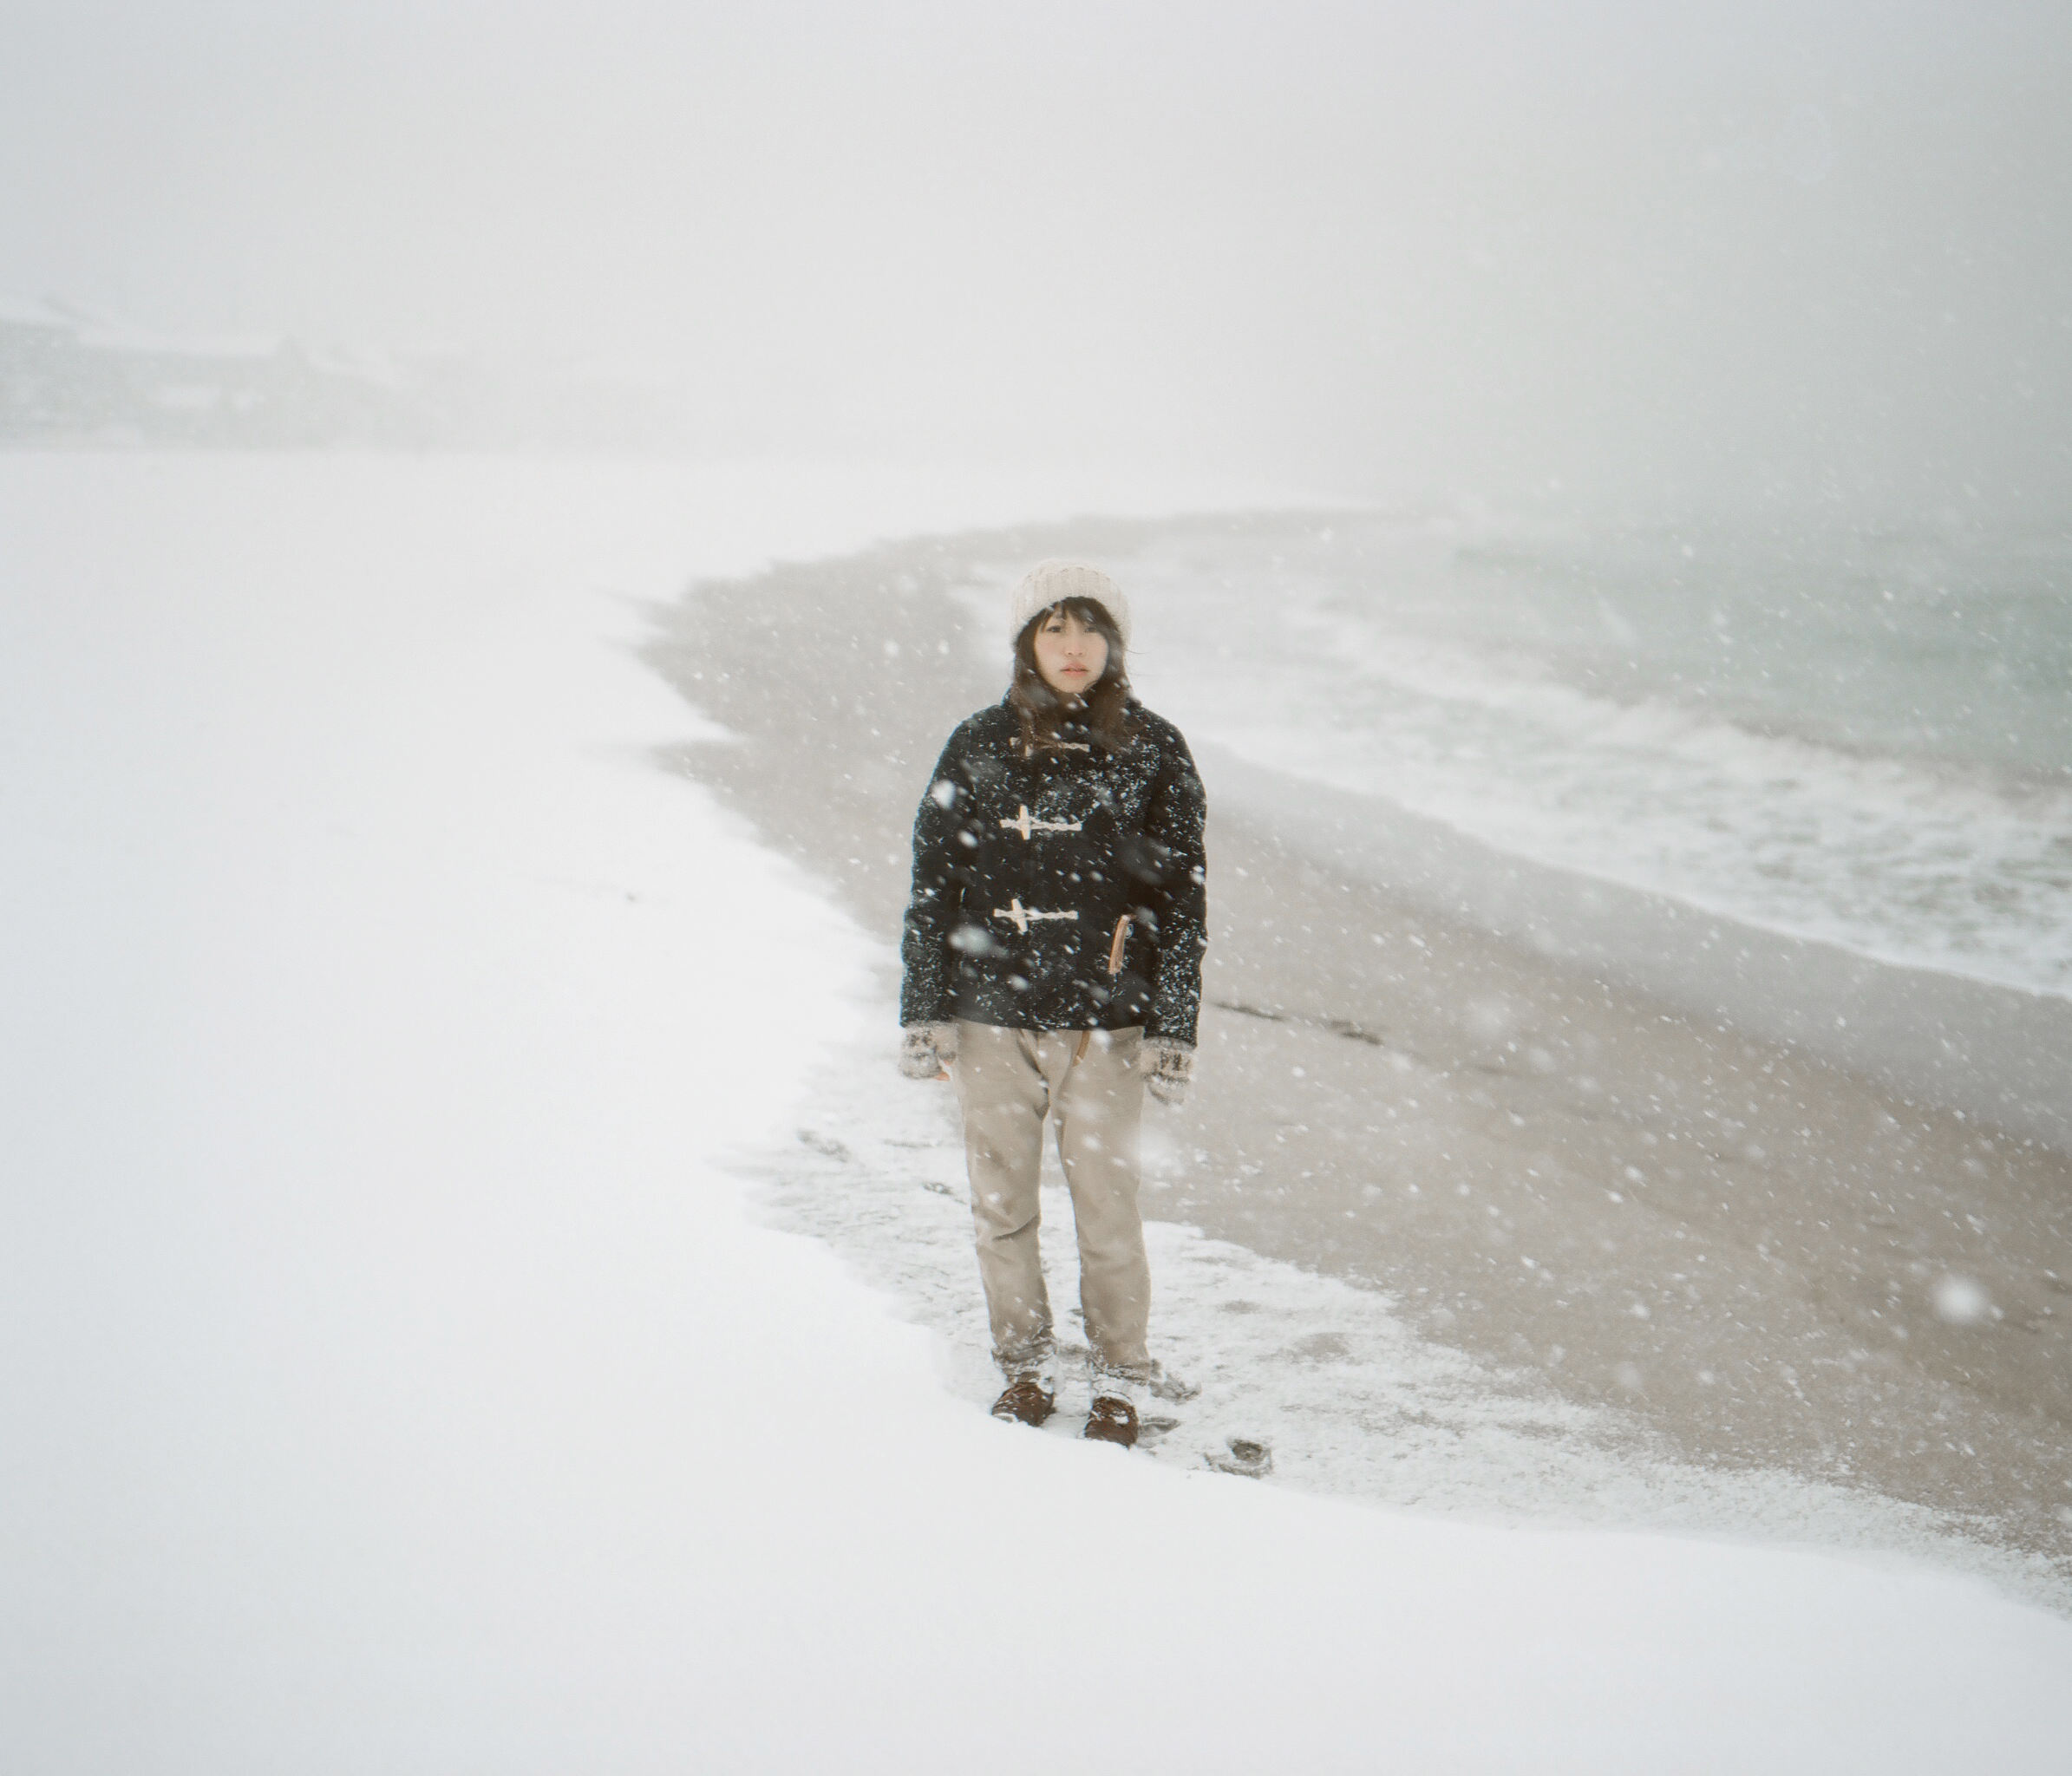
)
(1026, 1402)
(1113, 1420)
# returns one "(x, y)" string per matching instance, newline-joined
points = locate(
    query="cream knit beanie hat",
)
(1052, 582)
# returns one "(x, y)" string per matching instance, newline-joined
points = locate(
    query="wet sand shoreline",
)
(1994, 1052)
(1753, 1252)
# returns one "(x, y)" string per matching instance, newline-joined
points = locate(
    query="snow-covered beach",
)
(1605, 1181)
(401, 1369)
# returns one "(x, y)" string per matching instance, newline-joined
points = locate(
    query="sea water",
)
(1861, 737)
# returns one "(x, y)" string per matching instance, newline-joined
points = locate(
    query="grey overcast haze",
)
(1637, 257)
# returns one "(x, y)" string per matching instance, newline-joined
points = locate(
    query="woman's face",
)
(1070, 656)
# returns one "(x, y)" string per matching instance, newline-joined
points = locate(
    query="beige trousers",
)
(1007, 1081)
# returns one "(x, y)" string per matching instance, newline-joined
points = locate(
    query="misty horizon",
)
(1609, 260)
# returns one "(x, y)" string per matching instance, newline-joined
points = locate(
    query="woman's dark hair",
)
(1042, 711)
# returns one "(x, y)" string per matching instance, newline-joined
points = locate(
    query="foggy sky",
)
(1631, 256)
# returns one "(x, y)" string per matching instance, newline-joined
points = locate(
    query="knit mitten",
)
(1172, 1072)
(928, 1049)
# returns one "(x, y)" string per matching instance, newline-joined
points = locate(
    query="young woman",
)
(1053, 966)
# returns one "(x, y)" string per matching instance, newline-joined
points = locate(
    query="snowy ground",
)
(1327, 1377)
(396, 1375)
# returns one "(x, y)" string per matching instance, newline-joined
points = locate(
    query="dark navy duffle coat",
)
(1061, 889)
